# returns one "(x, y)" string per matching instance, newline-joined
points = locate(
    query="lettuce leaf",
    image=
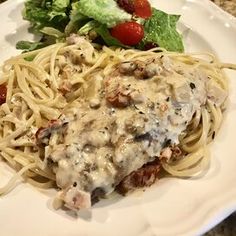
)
(27, 46)
(54, 20)
(77, 20)
(106, 12)
(91, 25)
(59, 8)
(47, 13)
(60, 5)
(161, 29)
(52, 32)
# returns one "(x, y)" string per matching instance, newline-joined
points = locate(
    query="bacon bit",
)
(3, 93)
(145, 70)
(144, 177)
(166, 154)
(115, 94)
(140, 69)
(75, 199)
(65, 87)
(176, 152)
(54, 123)
(140, 72)
(119, 100)
(39, 133)
(45, 132)
(163, 107)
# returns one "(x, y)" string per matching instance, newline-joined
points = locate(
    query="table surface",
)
(227, 5)
(228, 226)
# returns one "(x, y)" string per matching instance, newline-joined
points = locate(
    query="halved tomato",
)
(128, 33)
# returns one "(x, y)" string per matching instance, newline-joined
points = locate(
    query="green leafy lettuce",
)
(104, 11)
(161, 29)
(47, 13)
(29, 46)
(76, 19)
(54, 20)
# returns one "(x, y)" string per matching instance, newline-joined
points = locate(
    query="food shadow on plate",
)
(21, 32)
(101, 211)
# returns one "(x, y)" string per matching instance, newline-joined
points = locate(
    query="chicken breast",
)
(131, 118)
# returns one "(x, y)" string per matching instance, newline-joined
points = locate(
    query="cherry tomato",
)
(3, 93)
(128, 33)
(142, 8)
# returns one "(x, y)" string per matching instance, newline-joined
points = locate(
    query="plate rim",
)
(231, 196)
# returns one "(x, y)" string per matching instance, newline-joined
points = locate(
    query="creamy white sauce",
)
(102, 143)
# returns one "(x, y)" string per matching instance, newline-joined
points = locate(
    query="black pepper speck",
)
(192, 85)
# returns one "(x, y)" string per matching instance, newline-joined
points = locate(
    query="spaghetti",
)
(44, 84)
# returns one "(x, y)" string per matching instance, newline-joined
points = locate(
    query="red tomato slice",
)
(142, 8)
(128, 33)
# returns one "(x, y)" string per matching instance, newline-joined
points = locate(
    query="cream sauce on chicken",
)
(127, 119)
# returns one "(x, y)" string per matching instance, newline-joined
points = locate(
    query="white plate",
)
(170, 207)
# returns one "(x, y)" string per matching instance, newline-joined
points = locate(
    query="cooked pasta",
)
(50, 84)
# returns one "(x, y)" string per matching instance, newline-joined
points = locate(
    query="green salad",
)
(125, 23)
